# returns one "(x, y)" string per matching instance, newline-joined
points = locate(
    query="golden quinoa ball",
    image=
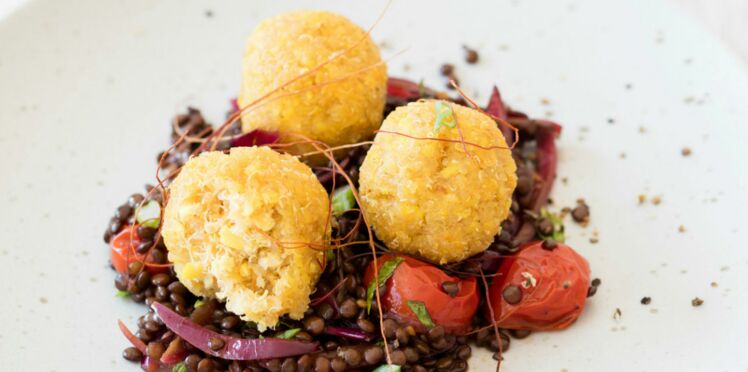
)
(287, 45)
(429, 198)
(225, 218)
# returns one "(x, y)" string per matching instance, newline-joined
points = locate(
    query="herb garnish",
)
(289, 334)
(388, 368)
(342, 200)
(180, 367)
(444, 116)
(122, 294)
(558, 234)
(419, 308)
(385, 272)
(149, 214)
(421, 88)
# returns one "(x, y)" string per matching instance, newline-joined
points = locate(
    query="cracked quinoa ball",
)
(225, 215)
(286, 45)
(427, 197)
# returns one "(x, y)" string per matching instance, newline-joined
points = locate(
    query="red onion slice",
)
(351, 333)
(234, 348)
(257, 137)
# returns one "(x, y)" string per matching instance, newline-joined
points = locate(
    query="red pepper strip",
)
(234, 348)
(131, 337)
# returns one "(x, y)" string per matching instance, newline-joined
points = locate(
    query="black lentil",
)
(434, 349)
(132, 354)
(471, 56)
(512, 294)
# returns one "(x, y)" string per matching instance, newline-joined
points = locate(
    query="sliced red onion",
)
(257, 137)
(497, 109)
(496, 105)
(511, 114)
(352, 333)
(406, 89)
(234, 348)
(546, 162)
(149, 364)
(234, 105)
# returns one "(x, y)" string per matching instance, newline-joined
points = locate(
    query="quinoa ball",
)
(428, 197)
(287, 45)
(235, 226)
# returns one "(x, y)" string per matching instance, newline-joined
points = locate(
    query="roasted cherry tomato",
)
(539, 289)
(419, 281)
(123, 254)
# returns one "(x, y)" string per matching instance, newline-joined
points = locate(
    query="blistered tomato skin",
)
(122, 249)
(553, 286)
(415, 280)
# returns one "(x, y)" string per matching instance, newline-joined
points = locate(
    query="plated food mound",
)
(433, 198)
(399, 254)
(283, 47)
(228, 225)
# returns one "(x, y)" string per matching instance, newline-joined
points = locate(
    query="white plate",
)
(87, 90)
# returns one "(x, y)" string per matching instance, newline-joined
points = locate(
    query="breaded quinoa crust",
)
(429, 198)
(226, 216)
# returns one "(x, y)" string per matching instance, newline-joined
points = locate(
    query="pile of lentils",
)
(432, 350)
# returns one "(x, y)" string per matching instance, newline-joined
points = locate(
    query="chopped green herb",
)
(444, 116)
(385, 272)
(419, 308)
(421, 88)
(558, 226)
(289, 334)
(329, 255)
(380, 343)
(180, 367)
(199, 303)
(388, 368)
(342, 200)
(149, 214)
(122, 294)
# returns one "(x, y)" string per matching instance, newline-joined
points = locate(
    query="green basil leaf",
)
(342, 200)
(149, 214)
(419, 308)
(385, 272)
(179, 367)
(289, 334)
(122, 294)
(199, 303)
